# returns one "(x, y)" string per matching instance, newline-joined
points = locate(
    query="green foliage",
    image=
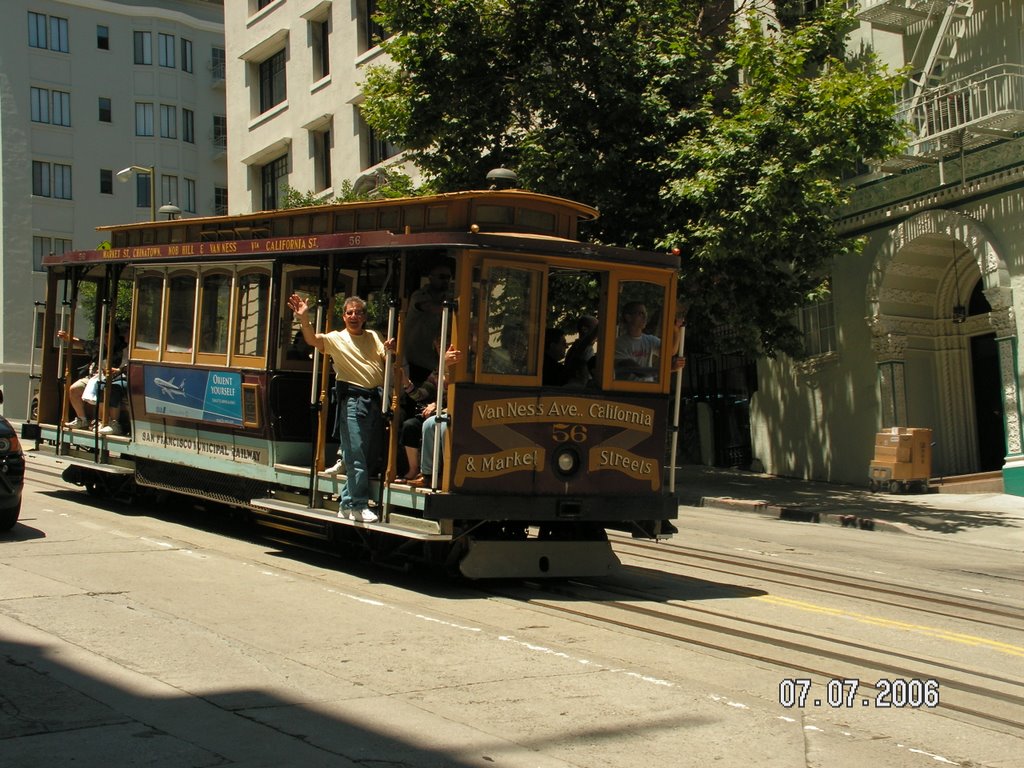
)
(686, 127)
(757, 184)
(390, 182)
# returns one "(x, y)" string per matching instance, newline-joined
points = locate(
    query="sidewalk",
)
(987, 519)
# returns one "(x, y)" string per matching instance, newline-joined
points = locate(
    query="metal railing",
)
(979, 108)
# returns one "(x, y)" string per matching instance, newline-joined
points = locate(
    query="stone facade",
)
(927, 317)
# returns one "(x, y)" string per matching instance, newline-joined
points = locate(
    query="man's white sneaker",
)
(337, 469)
(112, 429)
(77, 423)
(364, 515)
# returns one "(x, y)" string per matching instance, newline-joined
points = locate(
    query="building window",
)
(320, 34)
(220, 201)
(186, 55)
(273, 89)
(372, 32)
(143, 47)
(168, 121)
(260, 4)
(62, 181)
(142, 186)
(143, 119)
(52, 107)
(58, 34)
(51, 180)
(274, 182)
(169, 190)
(41, 178)
(57, 40)
(188, 125)
(817, 323)
(36, 30)
(104, 106)
(40, 98)
(44, 246)
(379, 150)
(322, 160)
(217, 63)
(41, 246)
(106, 182)
(188, 202)
(102, 37)
(60, 111)
(220, 131)
(165, 50)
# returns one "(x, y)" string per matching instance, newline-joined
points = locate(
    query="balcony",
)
(219, 140)
(898, 15)
(971, 112)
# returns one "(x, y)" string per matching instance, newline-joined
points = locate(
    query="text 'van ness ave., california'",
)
(581, 409)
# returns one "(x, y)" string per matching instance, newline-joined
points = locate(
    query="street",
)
(176, 636)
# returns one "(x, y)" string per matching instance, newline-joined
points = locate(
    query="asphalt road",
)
(174, 637)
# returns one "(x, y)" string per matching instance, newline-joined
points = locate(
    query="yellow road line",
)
(941, 634)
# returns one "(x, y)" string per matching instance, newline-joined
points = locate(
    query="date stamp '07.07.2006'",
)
(842, 692)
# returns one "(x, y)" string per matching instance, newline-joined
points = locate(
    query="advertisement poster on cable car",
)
(203, 395)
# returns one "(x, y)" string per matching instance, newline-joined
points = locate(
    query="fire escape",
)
(945, 115)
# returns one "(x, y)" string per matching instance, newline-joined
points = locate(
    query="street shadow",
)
(52, 713)
(22, 531)
(789, 496)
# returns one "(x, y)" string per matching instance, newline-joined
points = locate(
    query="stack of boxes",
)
(903, 459)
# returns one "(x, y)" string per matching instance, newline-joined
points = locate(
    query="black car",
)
(12, 474)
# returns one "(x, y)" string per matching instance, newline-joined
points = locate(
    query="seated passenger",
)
(582, 354)
(555, 372)
(429, 428)
(85, 393)
(421, 402)
(432, 432)
(636, 352)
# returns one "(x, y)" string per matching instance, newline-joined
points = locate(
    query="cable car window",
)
(86, 317)
(181, 304)
(513, 297)
(215, 308)
(148, 311)
(253, 302)
(638, 345)
(540, 220)
(495, 214)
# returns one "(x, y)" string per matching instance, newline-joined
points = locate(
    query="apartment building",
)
(295, 68)
(88, 89)
(922, 328)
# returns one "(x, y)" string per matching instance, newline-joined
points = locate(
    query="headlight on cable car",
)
(566, 462)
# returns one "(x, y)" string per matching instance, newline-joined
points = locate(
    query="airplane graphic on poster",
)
(168, 388)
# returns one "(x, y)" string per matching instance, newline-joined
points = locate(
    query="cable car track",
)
(859, 588)
(855, 666)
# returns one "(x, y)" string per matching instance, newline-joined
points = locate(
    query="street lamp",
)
(170, 210)
(126, 173)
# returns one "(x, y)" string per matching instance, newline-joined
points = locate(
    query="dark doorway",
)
(988, 402)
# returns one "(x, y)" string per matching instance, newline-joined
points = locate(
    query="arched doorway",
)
(942, 332)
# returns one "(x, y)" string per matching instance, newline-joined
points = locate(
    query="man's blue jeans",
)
(359, 431)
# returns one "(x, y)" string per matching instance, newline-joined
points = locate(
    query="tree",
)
(390, 182)
(686, 125)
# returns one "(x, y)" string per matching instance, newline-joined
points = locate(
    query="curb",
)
(795, 514)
